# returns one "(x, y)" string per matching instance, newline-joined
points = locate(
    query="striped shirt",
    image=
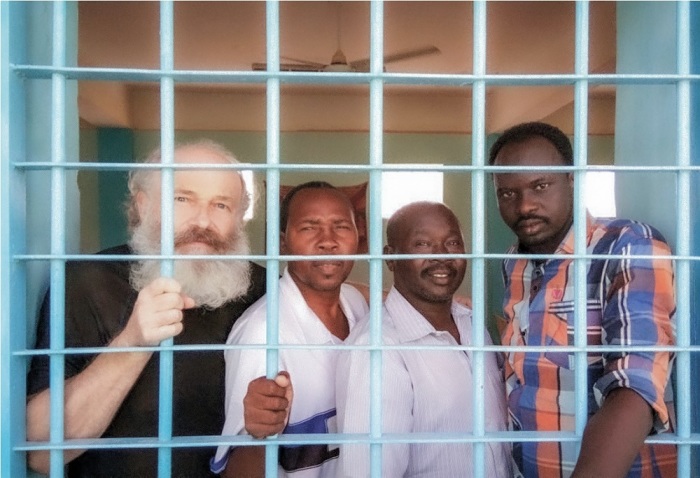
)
(630, 301)
(424, 392)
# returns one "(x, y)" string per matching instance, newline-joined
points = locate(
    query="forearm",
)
(245, 462)
(614, 436)
(91, 400)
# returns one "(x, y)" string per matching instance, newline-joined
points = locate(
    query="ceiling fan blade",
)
(305, 62)
(416, 52)
(363, 65)
(287, 67)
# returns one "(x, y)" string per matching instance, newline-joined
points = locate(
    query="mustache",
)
(205, 236)
(529, 217)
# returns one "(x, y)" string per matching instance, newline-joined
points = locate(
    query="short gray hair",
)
(139, 179)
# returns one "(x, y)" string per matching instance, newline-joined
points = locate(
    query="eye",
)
(506, 194)
(182, 199)
(222, 206)
(541, 186)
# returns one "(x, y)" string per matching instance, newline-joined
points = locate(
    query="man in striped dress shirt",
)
(427, 390)
(630, 302)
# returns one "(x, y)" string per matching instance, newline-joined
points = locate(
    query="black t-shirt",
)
(99, 301)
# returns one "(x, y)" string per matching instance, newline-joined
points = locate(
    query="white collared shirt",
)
(312, 372)
(422, 391)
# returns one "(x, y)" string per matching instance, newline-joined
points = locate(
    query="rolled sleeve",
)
(639, 312)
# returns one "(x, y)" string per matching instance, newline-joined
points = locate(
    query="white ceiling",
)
(522, 38)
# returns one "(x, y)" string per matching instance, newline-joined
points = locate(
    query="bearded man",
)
(125, 303)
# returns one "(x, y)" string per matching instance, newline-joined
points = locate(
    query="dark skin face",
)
(427, 229)
(321, 222)
(536, 205)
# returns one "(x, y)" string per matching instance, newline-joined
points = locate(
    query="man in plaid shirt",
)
(630, 302)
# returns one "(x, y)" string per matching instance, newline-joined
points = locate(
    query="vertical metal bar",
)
(58, 235)
(167, 135)
(580, 158)
(479, 233)
(683, 372)
(376, 153)
(273, 218)
(13, 277)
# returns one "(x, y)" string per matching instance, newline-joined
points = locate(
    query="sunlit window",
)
(600, 193)
(403, 187)
(250, 186)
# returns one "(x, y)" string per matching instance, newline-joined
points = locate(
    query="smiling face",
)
(536, 205)
(206, 210)
(320, 222)
(426, 228)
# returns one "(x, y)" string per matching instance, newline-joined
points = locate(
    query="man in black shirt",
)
(125, 303)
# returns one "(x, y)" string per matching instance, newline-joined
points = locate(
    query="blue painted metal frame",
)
(13, 275)
(694, 199)
(14, 257)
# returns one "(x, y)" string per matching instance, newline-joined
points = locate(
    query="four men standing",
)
(630, 301)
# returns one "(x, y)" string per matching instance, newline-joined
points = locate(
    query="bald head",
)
(406, 218)
(426, 228)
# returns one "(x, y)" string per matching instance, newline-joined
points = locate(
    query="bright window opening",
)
(600, 193)
(250, 186)
(403, 187)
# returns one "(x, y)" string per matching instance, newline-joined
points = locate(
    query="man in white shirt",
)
(423, 391)
(315, 308)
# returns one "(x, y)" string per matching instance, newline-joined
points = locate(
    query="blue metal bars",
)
(15, 256)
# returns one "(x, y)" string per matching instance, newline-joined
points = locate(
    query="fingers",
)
(282, 379)
(158, 313)
(266, 405)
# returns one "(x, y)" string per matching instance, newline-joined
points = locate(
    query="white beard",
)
(211, 283)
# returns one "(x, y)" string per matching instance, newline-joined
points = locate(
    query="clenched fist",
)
(266, 405)
(157, 313)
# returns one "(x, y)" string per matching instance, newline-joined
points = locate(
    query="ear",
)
(571, 179)
(283, 243)
(389, 262)
(142, 203)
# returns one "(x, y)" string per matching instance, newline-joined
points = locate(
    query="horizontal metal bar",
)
(327, 438)
(345, 257)
(242, 76)
(349, 168)
(437, 348)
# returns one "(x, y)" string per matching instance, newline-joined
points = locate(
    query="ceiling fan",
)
(339, 62)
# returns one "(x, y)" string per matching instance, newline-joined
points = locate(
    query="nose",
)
(440, 248)
(327, 240)
(527, 204)
(202, 216)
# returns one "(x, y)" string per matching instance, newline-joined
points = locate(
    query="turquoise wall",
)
(646, 135)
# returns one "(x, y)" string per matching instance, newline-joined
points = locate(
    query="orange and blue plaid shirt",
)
(630, 301)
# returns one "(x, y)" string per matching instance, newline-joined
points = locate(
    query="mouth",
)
(440, 275)
(328, 267)
(530, 226)
(193, 247)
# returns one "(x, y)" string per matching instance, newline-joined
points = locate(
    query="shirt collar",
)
(314, 331)
(410, 325)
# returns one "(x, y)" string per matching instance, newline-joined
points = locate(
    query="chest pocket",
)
(559, 331)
